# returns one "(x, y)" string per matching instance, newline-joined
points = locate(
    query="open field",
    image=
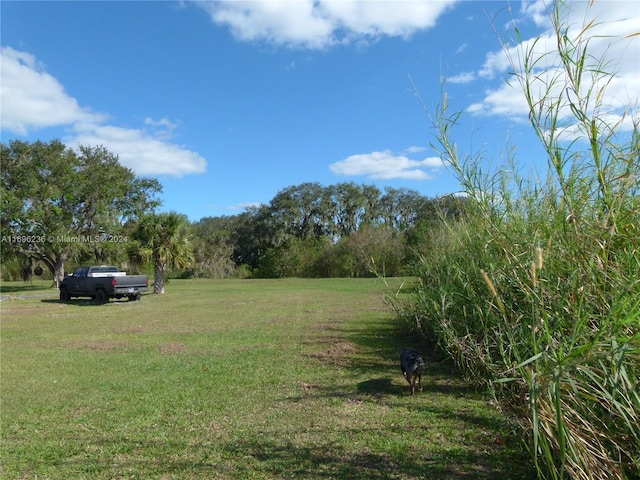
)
(235, 379)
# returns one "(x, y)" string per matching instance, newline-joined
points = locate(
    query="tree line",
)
(63, 207)
(310, 230)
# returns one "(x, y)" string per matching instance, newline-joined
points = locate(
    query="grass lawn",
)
(234, 379)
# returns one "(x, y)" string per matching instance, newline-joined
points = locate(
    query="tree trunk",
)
(58, 274)
(159, 279)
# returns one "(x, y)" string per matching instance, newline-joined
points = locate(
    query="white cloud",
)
(416, 149)
(281, 22)
(141, 151)
(538, 11)
(462, 48)
(386, 166)
(386, 17)
(465, 77)
(162, 123)
(612, 38)
(321, 23)
(32, 99)
(162, 129)
(505, 101)
(234, 209)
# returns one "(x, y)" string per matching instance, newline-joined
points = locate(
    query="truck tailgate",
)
(130, 284)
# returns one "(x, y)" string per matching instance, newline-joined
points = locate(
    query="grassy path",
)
(235, 379)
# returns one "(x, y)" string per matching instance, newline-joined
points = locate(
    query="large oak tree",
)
(59, 203)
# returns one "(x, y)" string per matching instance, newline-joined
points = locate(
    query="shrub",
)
(371, 250)
(536, 292)
(296, 257)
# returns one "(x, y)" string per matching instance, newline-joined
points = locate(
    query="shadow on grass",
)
(276, 458)
(379, 387)
(380, 344)
(287, 460)
(25, 288)
(491, 449)
(88, 302)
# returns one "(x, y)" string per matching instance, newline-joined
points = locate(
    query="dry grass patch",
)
(172, 347)
(337, 353)
(102, 346)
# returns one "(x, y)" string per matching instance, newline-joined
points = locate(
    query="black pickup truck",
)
(102, 283)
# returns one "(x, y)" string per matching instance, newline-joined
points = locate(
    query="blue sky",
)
(227, 103)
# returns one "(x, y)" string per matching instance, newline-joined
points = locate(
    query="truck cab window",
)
(81, 272)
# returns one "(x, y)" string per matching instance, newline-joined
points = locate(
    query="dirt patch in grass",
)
(102, 346)
(172, 348)
(337, 353)
(327, 326)
(135, 329)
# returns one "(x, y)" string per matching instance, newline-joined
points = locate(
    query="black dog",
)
(412, 366)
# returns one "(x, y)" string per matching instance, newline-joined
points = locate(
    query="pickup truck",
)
(102, 283)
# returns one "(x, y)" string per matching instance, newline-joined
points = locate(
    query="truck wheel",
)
(135, 297)
(101, 297)
(64, 295)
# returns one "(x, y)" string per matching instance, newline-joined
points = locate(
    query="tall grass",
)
(536, 293)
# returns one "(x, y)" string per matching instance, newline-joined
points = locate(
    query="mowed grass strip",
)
(235, 379)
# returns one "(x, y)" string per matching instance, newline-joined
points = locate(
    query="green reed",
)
(536, 293)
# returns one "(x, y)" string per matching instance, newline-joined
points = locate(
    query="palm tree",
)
(164, 238)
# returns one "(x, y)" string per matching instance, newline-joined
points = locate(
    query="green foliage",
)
(536, 293)
(296, 257)
(301, 211)
(344, 230)
(67, 205)
(371, 251)
(213, 250)
(164, 238)
(368, 252)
